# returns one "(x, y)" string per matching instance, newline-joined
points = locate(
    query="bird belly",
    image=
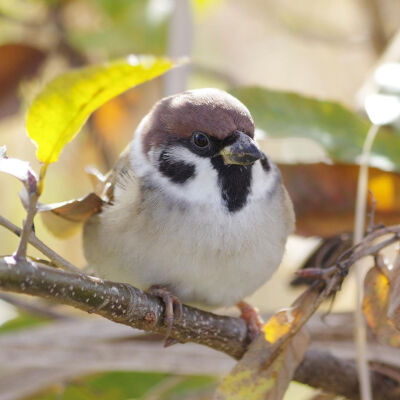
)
(206, 257)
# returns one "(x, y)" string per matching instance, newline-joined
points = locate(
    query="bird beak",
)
(243, 151)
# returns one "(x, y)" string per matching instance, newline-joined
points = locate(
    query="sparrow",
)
(197, 213)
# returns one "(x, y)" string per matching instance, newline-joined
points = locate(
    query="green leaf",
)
(59, 111)
(22, 321)
(130, 26)
(338, 130)
(123, 385)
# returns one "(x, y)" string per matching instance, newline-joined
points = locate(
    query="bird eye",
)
(200, 139)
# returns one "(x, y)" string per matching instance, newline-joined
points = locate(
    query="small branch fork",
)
(33, 196)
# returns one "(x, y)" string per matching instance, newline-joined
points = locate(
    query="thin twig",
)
(359, 232)
(371, 214)
(28, 225)
(59, 261)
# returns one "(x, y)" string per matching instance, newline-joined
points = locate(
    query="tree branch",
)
(124, 304)
(127, 305)
(322, 370)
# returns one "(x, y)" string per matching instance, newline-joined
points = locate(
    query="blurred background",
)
(329, 50)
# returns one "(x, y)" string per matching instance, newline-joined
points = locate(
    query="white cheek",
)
(262, 182)
(203, 187)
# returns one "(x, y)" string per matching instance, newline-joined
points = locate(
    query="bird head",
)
(198, 146)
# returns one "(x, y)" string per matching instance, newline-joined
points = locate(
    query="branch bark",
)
(322, 370)
(127, 305)
(124, 304)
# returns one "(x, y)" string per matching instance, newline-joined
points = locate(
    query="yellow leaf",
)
(59, 111)
(280, 324)
(383, 188)
(203, 7)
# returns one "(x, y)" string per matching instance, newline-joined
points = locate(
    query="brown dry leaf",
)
(18, 61)
(97, 179)
(375, 307)
(64, 219)
(266, 369)
(324, 195)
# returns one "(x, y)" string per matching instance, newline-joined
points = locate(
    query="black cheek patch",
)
(176, 171)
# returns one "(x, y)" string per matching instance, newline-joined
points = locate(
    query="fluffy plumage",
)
(182, 216)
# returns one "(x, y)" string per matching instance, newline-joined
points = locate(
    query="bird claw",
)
(252, 319)
(173, 310)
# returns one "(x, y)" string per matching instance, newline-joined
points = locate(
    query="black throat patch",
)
(235, 183)
(234, 180)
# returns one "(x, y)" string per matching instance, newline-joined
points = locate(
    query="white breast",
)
(206, 255)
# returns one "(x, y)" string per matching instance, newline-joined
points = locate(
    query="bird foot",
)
(173, 310)
(252, 318)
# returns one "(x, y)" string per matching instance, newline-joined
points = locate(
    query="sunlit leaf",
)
(60, 110)
(340, 131)
(280, 324)
(204, 7)
(375, 307)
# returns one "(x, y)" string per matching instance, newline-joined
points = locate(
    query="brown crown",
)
(211, 111)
